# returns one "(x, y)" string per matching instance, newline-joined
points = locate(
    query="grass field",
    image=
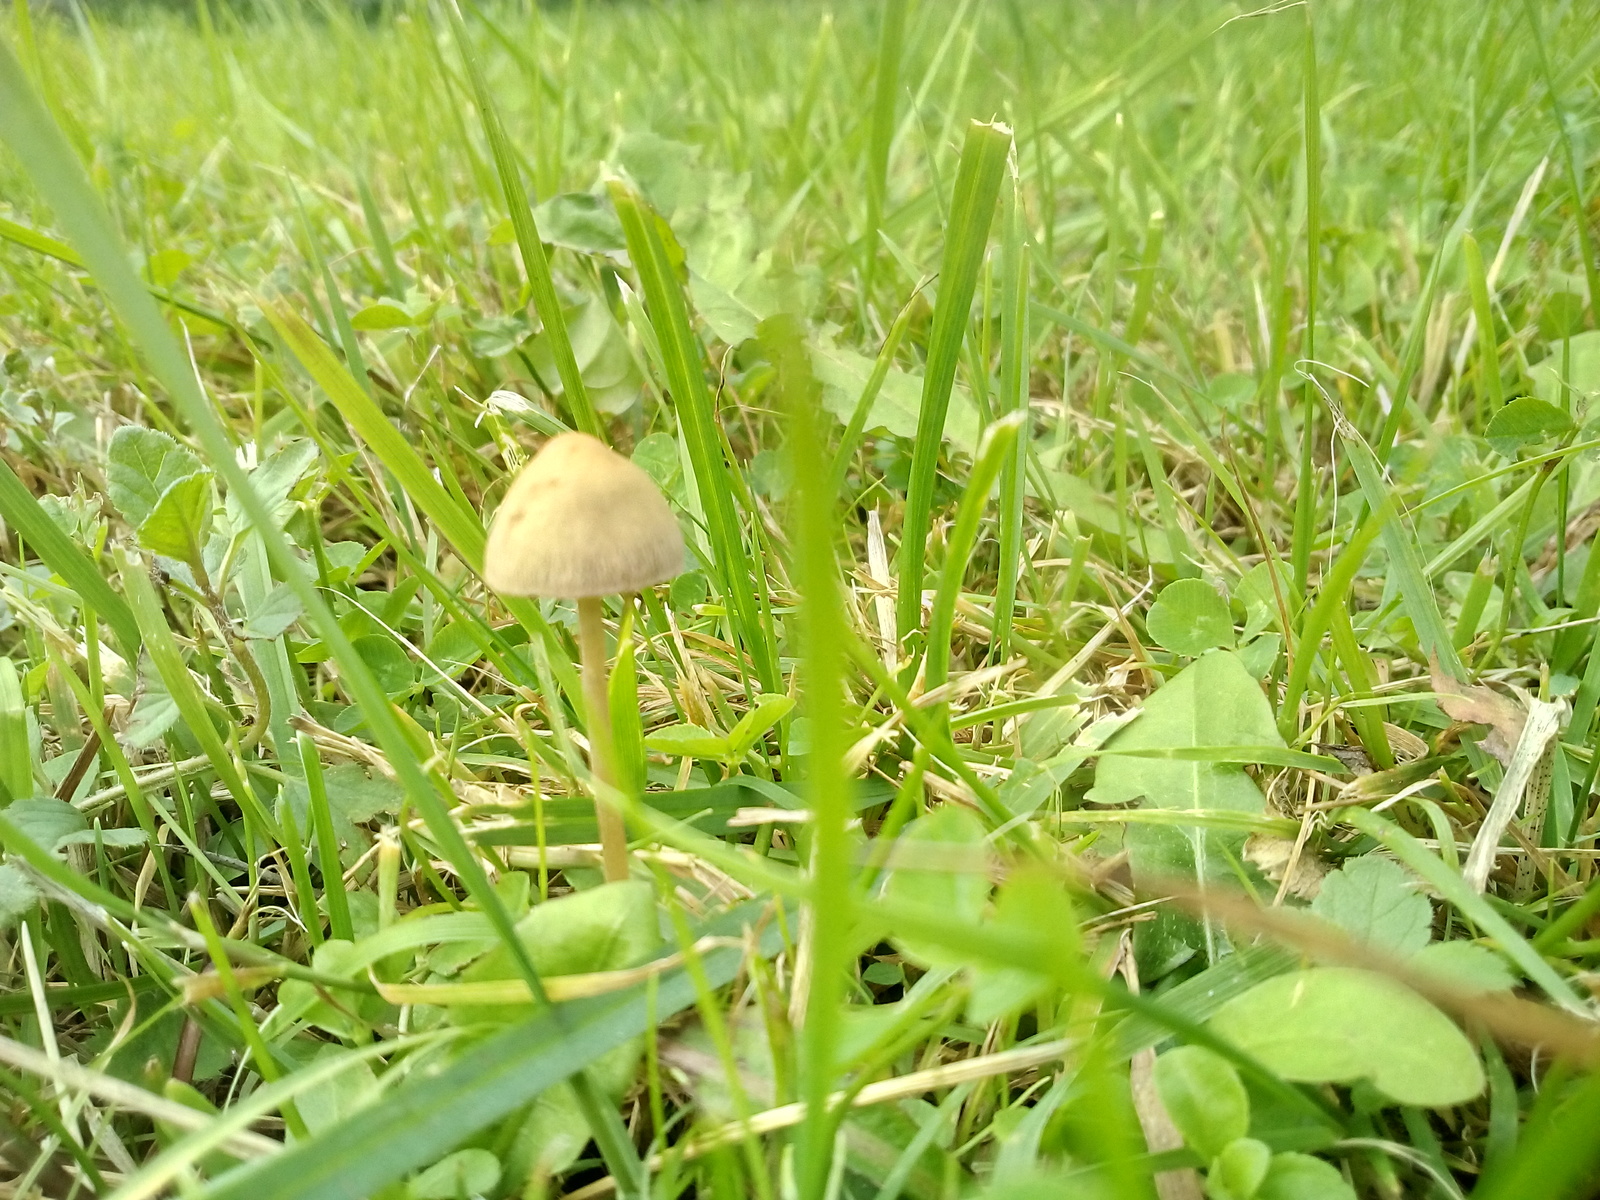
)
(1125, 729)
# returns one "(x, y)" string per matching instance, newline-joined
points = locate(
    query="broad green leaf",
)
(281, 609)
(1205, 1098)
(844, 375)
(600, 929)
(455, 647)
(181, 519)
(950, 841)
(471, 1172)
(1585, 377)
(580, 221)
(1032, 902)
(275, 478)
(732, 314)
(1376, 902)
(1212, 703)
(1293, 1176)
(141, 464)
(339, 1097)
(46, 820)
(1189, 617)
(354, 798)
(17, 895)
(1525, 420)
(1339, 1025)
(154, 713)
(1238, 1170)
(111, 839)
(601, 350)
(24, 513)
(1231, 391)
(754, 725)
(1255, 593)
(1466, 965)
(348, 1016)
(551, 1135)
(390, 665)
(1450, 886)
(382, 315)
(687, 741)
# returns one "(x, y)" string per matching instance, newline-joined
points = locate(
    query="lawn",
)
(1121, 722)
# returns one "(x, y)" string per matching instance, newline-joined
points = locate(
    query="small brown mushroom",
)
(581, 522)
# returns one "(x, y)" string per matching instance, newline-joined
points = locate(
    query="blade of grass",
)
(1491, 395)
(1418, 599)
(460, 527)
(1332, 592)
(185, 693)
(734, 566)
(1306, 480)
(994, 452)
(851, 438)
(885, 93)
(977, 190)
(1014, 397)
(829, 919)
(1557, 1151)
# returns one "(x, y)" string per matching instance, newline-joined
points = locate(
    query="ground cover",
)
(1125, 725)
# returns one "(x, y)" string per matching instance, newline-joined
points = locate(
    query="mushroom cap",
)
(580, 520)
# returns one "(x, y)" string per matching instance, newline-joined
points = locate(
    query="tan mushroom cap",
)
(581, 520)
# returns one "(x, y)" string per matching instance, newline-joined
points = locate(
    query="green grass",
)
(1138, 472)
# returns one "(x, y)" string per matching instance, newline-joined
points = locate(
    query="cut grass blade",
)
(977, 189)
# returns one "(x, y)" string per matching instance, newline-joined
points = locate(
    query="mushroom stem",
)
(597, 699)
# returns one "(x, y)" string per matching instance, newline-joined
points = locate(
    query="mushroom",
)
(580, 522)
